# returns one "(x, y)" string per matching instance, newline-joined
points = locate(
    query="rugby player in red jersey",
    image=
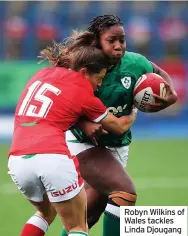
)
(39, 160)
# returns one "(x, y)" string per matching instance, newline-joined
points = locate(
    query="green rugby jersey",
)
(116, 93)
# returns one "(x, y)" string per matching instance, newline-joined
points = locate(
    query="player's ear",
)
(83, 71)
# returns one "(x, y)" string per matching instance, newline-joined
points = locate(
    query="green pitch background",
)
(159, 169)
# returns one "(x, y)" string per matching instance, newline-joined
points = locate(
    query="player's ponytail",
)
(76, 52)
(56, 55)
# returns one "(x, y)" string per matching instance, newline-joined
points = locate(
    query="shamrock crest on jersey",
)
(126, 82)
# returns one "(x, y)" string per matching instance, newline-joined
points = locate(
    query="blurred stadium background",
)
(158, 158)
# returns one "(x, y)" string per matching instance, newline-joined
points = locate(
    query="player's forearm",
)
(163, 74)
(118, 125)
(126, 122)
(172, 96)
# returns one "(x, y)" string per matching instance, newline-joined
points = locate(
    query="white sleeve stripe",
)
(101, 117)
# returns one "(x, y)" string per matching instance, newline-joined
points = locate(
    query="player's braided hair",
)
(75, 52)
(99, 23)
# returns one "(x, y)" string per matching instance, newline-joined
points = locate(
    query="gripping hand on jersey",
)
(134, 114)
(92, 130)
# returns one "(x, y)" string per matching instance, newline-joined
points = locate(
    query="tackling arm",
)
(118, 125)
(110, 123)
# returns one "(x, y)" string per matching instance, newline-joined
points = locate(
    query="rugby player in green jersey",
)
(102, 164)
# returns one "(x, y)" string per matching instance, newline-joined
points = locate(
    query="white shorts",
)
(75, 147)
(56, 174)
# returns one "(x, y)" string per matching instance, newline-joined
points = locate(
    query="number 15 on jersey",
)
(37, 92)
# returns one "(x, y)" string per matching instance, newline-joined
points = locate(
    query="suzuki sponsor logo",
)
(65, 190)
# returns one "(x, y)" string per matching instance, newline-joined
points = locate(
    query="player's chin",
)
(115, 59)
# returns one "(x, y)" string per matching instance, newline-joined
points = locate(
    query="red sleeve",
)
(94, 109)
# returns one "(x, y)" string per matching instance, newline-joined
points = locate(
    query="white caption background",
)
(153, 220)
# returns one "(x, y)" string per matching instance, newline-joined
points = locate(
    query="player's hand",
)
(163, 102)
(93, 131)
(134, 113)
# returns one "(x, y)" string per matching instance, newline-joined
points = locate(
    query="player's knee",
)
(124, 183)
(128, 186)
(120, 198)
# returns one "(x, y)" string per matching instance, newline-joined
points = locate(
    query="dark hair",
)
(76, 52)
(99, 23)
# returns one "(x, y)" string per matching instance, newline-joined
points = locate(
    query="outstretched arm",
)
(119, 125)
(110, 122)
